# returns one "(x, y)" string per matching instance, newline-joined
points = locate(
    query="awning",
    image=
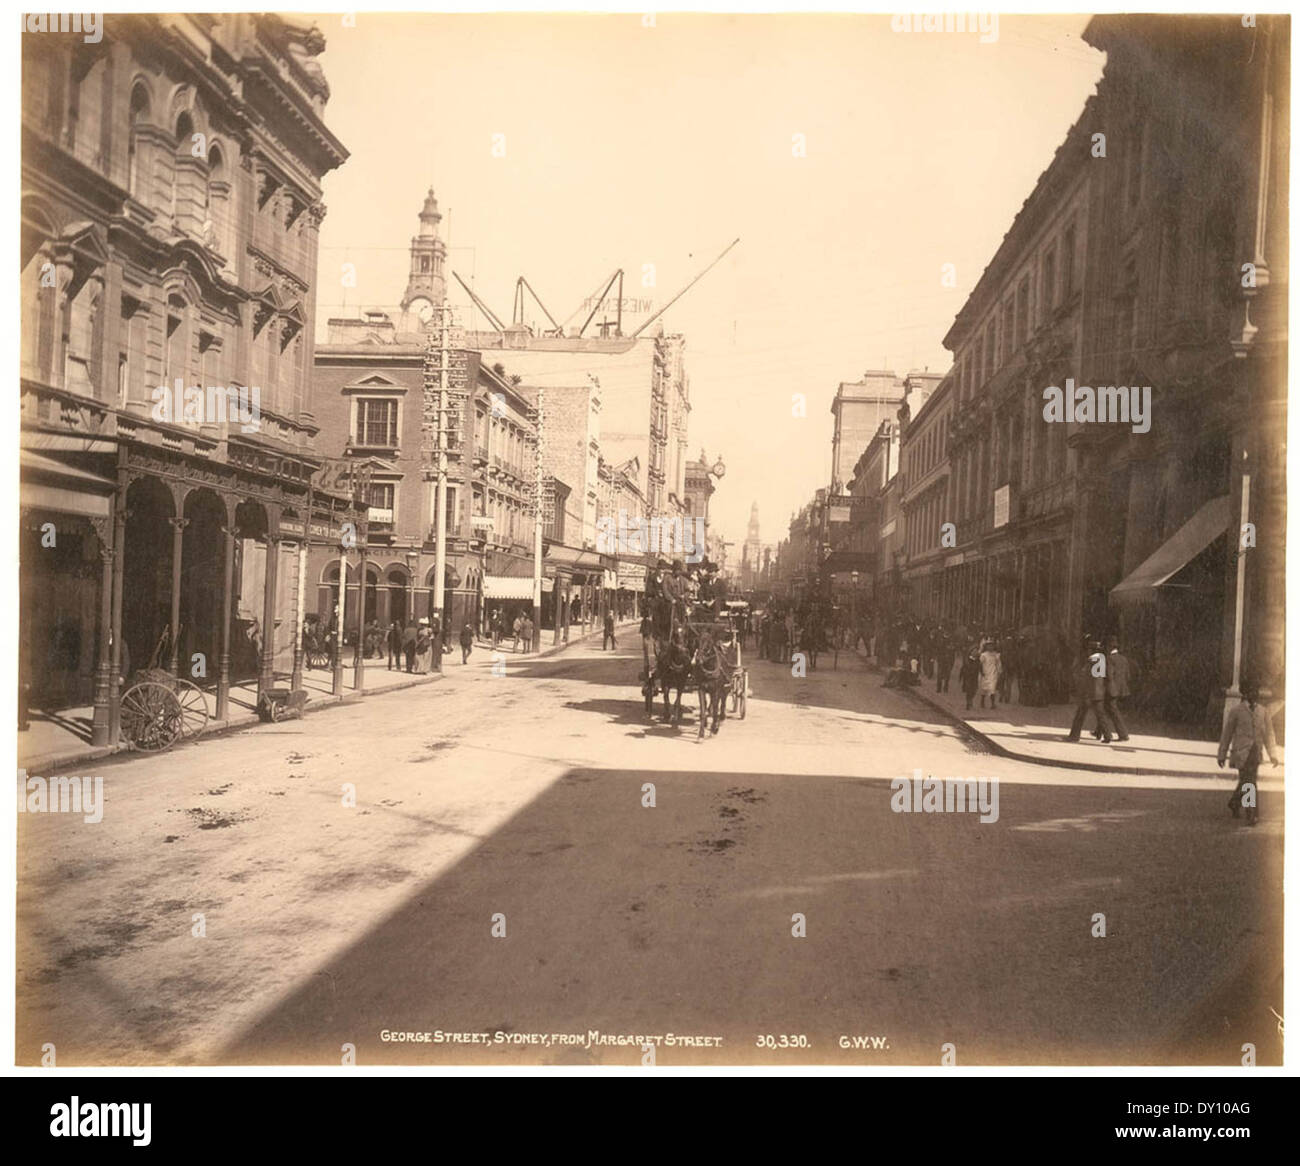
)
(505, 587)
(65, 488)
(1188, 541)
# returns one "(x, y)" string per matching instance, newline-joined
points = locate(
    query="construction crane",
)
(684, 290)
(517, 314)
(482, 307)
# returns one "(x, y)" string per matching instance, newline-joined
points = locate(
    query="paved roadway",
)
(521, 796)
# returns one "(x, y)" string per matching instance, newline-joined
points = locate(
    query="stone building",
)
(170, 210)
(1139, 267)
(859, 408)
(644, 397)
(926, 501)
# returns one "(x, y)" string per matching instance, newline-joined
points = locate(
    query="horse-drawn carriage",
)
(699, 650)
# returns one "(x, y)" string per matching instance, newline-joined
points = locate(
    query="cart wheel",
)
(194, 708)
(274, 710)
(151, 716)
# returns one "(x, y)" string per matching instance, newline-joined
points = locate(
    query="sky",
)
(564, 147)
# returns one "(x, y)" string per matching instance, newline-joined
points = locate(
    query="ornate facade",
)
(170, 216)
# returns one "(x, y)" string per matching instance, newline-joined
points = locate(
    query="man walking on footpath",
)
(1090, 685)
(1117, 687)
(609, 631)
(517, 627)
(945, 656)
(409, 636)
(395, 646)
(466, 643)
(1247, 731)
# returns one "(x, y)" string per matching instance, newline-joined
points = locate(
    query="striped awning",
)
(503, 587)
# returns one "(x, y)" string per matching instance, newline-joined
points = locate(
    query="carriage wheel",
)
(194, 708)
(318, 658)
(151, 716)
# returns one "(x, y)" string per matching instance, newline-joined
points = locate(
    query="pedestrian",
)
(395, 646)
(609, 630)
(466, 643)
(990, 673)
(530, 634)
(1247, 733)
(409, 638)
(1090, 687)
(497, 625)
(517, 627)
(945, 657)
(1117, 687)
(970, 673)
(421, 651)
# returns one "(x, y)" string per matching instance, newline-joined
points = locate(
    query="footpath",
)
(60, 740)
(1038, 734)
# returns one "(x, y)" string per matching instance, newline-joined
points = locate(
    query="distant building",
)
(859, 407)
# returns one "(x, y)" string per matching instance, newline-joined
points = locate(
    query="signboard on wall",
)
(1001, 506)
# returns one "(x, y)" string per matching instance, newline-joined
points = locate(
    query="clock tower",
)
(426, 288)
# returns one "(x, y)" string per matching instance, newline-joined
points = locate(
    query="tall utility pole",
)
(440, 505)
(445, 375)
(539, 490)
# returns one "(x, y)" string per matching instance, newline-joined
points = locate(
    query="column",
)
(229, 534)
(359, 664)
(115, 657)
(300, 606)
(266, 676)
(340, 611)
(178, 539)
(102, 721)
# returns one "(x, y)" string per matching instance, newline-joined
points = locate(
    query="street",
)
(498, 871)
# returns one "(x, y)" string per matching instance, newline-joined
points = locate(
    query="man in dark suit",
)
(1118, 670)
(1090, 687)
(409, 636)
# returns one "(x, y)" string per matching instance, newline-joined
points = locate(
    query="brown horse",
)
(713, 678)
(671, 673)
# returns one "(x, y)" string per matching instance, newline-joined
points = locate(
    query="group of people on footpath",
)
(521, 628)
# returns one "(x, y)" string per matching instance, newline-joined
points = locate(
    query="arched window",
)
(217, 202)
(184, 132)
(137, 116)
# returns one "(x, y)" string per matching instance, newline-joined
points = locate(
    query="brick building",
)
(170, 211)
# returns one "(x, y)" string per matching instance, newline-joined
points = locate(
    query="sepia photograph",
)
(707, 541)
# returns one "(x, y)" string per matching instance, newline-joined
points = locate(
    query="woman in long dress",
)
(990, 673)
(424, 648)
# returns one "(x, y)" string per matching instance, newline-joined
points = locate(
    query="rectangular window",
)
(377, 422)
